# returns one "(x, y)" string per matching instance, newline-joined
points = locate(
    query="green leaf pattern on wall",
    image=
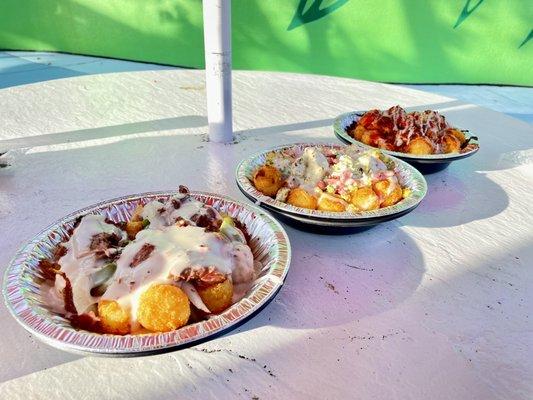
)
(466, 12)
(314, 12)
(527, 39)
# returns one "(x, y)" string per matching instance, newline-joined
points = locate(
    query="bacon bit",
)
(120, 225)
(332, 159)
(176, 203)
(142, 254)
(59, 252)
(77, 221)
(161, 210)
(49, 269)
(88, 322)
(102, 243)
(181, 222)
(183, 189)
(242, 227)
(204, 277)
(210, 220)
(67, 294)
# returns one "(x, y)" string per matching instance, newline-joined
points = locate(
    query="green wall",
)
(424, 41)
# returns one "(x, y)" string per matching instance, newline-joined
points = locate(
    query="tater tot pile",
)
(330, 179)
(172, 263)
(418, 133)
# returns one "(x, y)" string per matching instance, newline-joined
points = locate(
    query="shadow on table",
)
(334, 280)
(469, 309)
(164, 124)
(458, 196)
(244, 134)
(275, 129)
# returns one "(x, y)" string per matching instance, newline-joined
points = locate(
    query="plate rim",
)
(259, 199)
(8, 293)
(341, 134)
(337, 223)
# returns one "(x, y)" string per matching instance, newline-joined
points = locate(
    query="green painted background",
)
(472, 41)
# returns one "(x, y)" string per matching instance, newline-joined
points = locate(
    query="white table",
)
(435, 305)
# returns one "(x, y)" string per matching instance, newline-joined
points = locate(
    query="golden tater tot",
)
(163, 308)
(420, 145)
(364, 199)
(217, 297)
(267, 180)
(113, 318)
(450, 144)
(358, 132)
(132, 228)
(136, 216)
(300, 198)
(394, 197)
(328, 202)
(382, 188)
(389, 192)
(459, 135)
(366, 137)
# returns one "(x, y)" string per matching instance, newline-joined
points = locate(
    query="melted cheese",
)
(175, 249)
(161, 215)
(79, 263)
(309, 169)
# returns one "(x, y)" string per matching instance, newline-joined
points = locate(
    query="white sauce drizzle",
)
(79, 263)
(174, 250)
(308, 169)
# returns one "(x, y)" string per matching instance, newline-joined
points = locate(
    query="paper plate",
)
(409, 177)
(22, 286)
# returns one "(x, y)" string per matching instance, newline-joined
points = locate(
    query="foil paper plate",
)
(343, 121)
(23, 282)
(409, 177)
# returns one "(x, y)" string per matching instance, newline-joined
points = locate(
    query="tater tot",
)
(364, 199)
(217, 297)
(420, 145)
(132, 228)
(366, 137)
(300, 198)
(267, 180)
(450, 144)
(328, 202)
(163, 308)
(394, 197)
(113, 318)
(388, 191)
(459, 135)
(358, 132)
(136, 216)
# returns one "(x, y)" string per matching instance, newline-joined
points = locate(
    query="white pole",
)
(217, 38)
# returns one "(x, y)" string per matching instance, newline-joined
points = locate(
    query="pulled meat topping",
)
(104, 244)
(142, 254)
(205, 277)
(208, 220)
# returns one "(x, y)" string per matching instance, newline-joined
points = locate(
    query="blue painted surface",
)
(19, 68)
(516, 102)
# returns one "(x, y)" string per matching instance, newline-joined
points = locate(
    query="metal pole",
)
(217, 39)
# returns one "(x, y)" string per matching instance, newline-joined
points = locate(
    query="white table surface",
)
(435, 305)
